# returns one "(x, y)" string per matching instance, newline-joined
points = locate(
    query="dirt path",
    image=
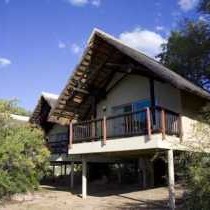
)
(56, 199)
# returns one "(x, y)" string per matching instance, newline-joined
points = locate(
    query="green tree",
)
(187, 51)
(23, 156)
(11, 106)
(204, 6)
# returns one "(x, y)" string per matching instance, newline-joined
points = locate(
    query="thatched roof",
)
(102, 58)
(45, 103)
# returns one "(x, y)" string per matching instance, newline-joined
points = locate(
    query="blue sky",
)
(41, 40)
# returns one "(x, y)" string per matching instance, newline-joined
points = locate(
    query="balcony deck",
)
(130, 131)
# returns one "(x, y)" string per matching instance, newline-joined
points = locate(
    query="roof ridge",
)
(49, 95)
(101, 32)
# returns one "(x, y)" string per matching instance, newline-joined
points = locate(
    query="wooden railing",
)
(58, 143)
(129, 124)
(143, 122)
(88, 130)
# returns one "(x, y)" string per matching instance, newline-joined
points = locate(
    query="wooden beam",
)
(149, 132)
(81, 90)
(104, 130)
(152, 92)
(180, 127)
(152, 99)
(163, 124)
(70, 135)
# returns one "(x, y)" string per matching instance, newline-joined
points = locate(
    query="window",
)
(130, 123)
(131, 107)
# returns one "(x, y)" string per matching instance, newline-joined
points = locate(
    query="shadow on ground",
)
(131, 196)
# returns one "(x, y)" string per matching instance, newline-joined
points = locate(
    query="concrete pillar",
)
(61, 170)
(53, 171)
(65, 169)
(171, 181)
(152, 174)
(72, 175)
(84, 178)
(119, 174)
(142, 173)
(149, 172)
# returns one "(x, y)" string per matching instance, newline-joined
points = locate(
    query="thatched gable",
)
(102, 58)
(45, 103)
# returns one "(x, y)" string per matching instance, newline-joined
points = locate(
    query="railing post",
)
(93, 128)
(163, 123)
(180, 127)
(149, 132)
(70, 135)
(104, 130)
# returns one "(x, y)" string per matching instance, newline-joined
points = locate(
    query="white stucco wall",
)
(134, 88)
(168, 96)
(130, 89)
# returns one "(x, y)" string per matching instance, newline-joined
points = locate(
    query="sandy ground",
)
(49, 198)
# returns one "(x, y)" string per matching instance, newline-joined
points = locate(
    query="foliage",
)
(187, 51)
(12, 107)
(23, 156)
(204, 6)
(198, 181)
(195, 166)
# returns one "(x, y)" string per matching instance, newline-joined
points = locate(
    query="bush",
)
(197, 176)
(23, 156)
(196, 165)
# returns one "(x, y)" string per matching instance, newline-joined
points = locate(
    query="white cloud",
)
(160, 28)
(61, 45)
(75, 48)
(202, 18)
(80, 3)
(176, 14)
(148, 42)
(187, 5)
(96, 3)
(4, 62)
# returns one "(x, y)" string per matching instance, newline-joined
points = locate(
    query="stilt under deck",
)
(171, 179)
(72, 175)
(84, 178)
(145, 170)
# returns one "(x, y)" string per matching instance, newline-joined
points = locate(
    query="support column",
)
(65, 169)
(171, 181)
(53, 173)
(119, 174)
(61, 170)
(142, 173)
(84, 178)
(72, 175)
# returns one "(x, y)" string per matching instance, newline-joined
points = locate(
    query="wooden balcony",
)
(148, 121)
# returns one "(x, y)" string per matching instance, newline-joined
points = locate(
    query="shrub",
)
(23, 156)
